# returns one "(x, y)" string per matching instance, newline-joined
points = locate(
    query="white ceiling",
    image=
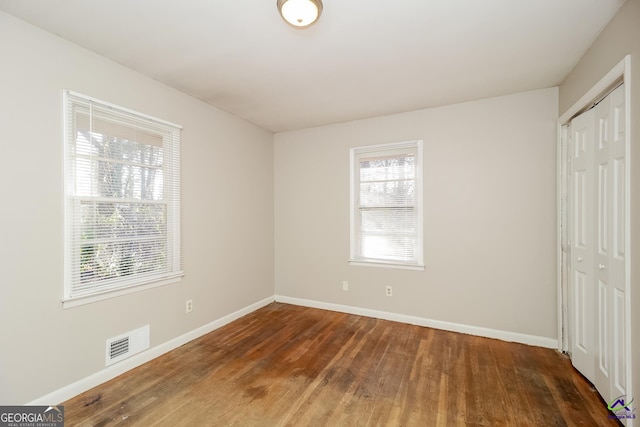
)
(363, 58)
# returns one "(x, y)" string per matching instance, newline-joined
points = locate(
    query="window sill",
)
(382, 264)
(88, 299)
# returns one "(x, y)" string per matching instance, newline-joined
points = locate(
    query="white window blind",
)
(122, 189)
(386, 212)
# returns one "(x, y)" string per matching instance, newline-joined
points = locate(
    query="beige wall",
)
(227, 211)
(489, 218)
(620, 37)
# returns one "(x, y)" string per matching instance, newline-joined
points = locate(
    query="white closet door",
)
(582, 290)
(603, 193)
(597, 236)
(617, 256)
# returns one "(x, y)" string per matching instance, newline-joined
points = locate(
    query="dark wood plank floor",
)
(285, 365)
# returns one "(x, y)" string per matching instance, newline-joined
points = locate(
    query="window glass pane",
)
(119, 239)
(114, 168)
(112, 148)
(391, 168)
(93, 118)
(385, 247)
(104, 261)
(388, 220)
(124, 181)
(390, 193)
(102, 220)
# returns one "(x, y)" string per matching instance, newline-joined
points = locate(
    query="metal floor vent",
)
(126, 345)
(118, 348)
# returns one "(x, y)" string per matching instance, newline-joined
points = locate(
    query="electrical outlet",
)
(189, 306)
(388, 291)
(345, 285)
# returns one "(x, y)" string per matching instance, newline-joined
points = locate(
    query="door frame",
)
(619, 73)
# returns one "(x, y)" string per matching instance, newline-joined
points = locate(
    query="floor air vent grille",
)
(126, 345)
(119, 347)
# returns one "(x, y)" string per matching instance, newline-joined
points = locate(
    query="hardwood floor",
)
(285, 365)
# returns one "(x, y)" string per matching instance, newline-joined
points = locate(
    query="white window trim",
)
(141, 283)
(364, 262)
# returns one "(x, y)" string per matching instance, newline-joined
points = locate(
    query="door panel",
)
(619, 333)
(582, 291)
(619, 209)
(603, 209)
(604, 132)
(617, 258)
(581, 209)
(619, 342)
(582, 245)
(603, 329)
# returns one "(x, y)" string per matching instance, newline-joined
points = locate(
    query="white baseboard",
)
(74, 389)
(420, 321)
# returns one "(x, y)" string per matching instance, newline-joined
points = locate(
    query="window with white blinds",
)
(386, 205)
(122, 207)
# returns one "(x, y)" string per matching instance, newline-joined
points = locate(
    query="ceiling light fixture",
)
(300, 13)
